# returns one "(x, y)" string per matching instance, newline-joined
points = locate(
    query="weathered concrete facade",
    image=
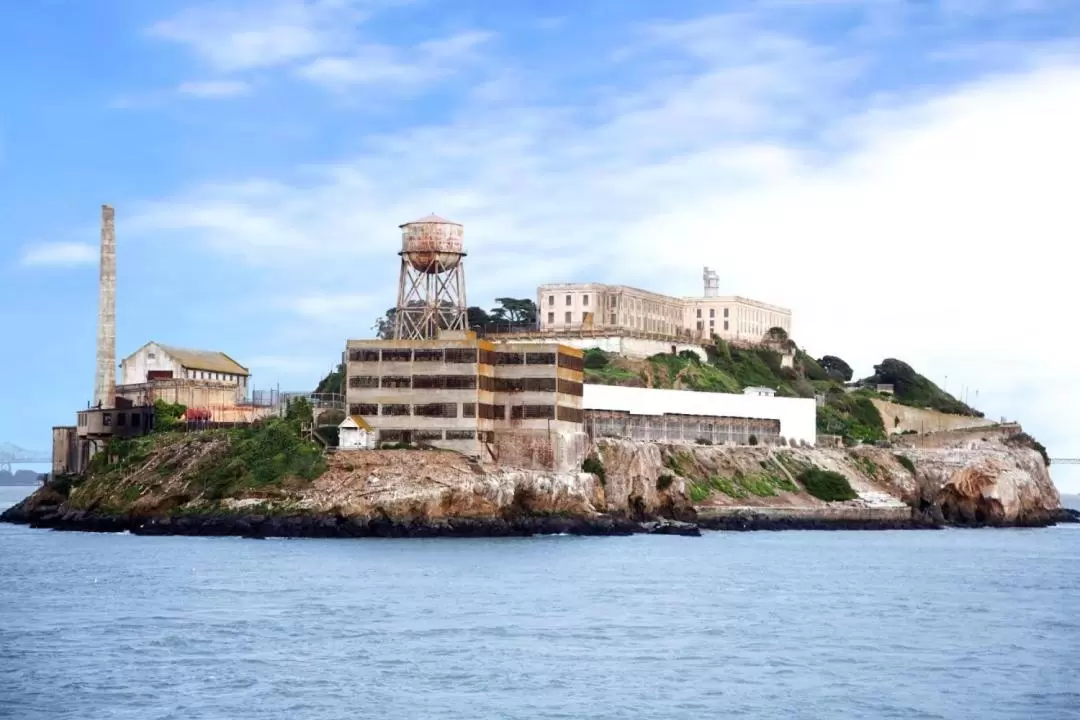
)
(460, 393)
(902, 418)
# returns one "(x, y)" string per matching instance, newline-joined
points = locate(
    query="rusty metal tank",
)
(432, 244)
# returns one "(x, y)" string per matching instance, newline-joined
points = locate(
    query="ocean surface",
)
(948, 624)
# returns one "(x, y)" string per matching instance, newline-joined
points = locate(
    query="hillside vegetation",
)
(846, 411)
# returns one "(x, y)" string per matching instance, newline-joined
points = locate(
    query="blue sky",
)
(896, 172)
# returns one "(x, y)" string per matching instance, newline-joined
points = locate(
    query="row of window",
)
(215, 376)
(465, 356)
(482, 411)
(428, 435)
(712, 312)
(467, 382)
(121, 419)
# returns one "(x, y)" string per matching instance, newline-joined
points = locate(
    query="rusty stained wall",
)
(64, 450)
(540, 450)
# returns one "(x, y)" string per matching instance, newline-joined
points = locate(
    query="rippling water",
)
(950, 624)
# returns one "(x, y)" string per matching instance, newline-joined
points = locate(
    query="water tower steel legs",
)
(429, 301)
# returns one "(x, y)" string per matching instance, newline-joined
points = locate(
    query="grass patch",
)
(907, 462)
(827, 485)
(768, 483)
(867, 466)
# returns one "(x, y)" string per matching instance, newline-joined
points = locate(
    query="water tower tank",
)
(432, 244)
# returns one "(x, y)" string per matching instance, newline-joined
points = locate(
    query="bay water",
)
(916, 624)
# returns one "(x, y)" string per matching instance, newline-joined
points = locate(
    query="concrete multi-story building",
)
(596, 308)
(516, 403)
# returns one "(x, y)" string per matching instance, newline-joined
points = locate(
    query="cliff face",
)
(989, 482)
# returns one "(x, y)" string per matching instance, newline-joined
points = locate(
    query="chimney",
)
(105, 385)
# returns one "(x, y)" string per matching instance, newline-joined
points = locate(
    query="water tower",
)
(431, 292)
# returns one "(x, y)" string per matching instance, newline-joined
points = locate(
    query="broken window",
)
(420, 435)
(363, 409)
(487, 383)
(394, 410)
(570, 362)
(396, 381)
(509, 358)
(363, 381)
(461, 355)
(460, 434)
(428, 355)
(490, 412)
(487, 357)
(449, 382)
(569, 414)
(569, 387)
(468, 410)
(393, 436)
(396, 355)
(363, 355)
(540, 359)
(447, 410)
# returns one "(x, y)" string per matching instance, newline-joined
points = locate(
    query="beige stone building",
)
(620, 309)
(515, 403)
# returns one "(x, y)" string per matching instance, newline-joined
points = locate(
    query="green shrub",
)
(593, 466)
(906, 462)
(664, 482)
(167, 415)
(827, 485)
(703, 441)
(752, 440)
(595, 358)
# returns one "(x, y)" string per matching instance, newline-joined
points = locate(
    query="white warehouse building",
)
(691, 416)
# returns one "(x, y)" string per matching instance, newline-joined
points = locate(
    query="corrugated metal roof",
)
(431, 218)
(207, 360)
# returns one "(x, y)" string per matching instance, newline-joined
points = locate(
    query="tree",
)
(836, 368)
(167, 415)
(334, 382)
(478, 317)
(518, 311)
(776, 334)
(384, 326)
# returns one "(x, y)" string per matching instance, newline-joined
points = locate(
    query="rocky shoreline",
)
(255, 526)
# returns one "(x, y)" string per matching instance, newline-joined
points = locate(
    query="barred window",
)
(488, 357)
(364, 355)
(509, 358)
(396, 355)
(392, 436)
(533, 412)
(491, 412)
(436, 410)
(363, 381)
(571, 362)
(540, 359)
(525, 385)
(487, 383)
(419, 435)
(460, 434)
(569, 414)
(428, 355)
(569, 387)
(363, 409)
(395, 409)
(461, 355)
(468, 410)
(449, 382)
(396, 381)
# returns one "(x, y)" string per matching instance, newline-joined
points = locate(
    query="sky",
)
(901, 174)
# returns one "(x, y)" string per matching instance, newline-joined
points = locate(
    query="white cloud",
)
(401, 67)
(245, 35)
(214, 88)
(60, 254)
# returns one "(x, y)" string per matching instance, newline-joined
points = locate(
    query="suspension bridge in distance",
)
(15, 455)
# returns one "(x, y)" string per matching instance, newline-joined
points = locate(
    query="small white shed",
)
(761, 391)
(354, 433)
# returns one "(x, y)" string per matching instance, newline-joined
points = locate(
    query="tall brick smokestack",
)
(105, 385)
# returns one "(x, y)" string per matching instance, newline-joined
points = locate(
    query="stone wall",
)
(539, 450)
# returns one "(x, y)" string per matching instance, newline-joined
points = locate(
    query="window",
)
(700, 325)
(533, 412)
(551, 317)
(460, 434)
(712, 323)
(468, 410)
(569, 300)
(396, 381)
(725, 325)
(461, 355)
(712, 312)
(551, 300)
(421, 435)
(540, 358)
(396, 355)
(571, 362)
(363, 355)
(510, 358)
(725, 312)
(363, 409)
(568, 318)
(614, 318)
(121, 419)
(699, 312)
(569, 387)
(106, 419)
(396, 410)
(363, 381)
(136, 419)
(444, 382)
(445, 410)
(584, 299)
(428, 355)
(151, 356)
(573, 415)
(490, 412)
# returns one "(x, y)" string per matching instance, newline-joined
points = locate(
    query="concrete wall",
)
(631, 347)
(190, 393)
(539, 450)
(64, 450)
(924, 421)
(797, 416)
